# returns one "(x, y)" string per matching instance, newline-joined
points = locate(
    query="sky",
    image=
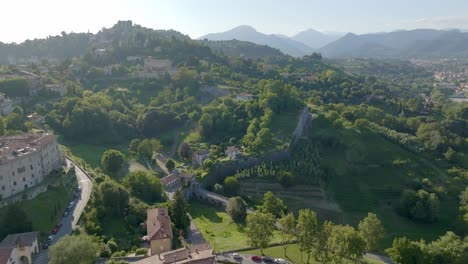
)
(28, 19)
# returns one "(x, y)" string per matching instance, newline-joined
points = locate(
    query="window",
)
(14, 183)
(3, 188)
(32, 167)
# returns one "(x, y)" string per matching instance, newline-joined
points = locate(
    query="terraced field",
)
(297, 197)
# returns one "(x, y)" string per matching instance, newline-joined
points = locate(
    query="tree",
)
(133, 146)
(405, 251)
(2, 127)
(144, 186)
(14, 220)
(178, 209)
(345, 243)
(371, 230)
(307, 229)
(420, 205)
(323, 250)
(112, 198)
(170, 164)
(231, 186)
(464, 204)
(147, 146)
(449, 248)
(81, 249)
(272, 204)
(185, 151)
(237, 209)
(450, 155)
(112, 160)
(14, 121)
(259, 229)
(287, 229)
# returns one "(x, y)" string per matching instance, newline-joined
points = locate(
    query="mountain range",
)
(299, 45)
(425, 43)
(428, 43)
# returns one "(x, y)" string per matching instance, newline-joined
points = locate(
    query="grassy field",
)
(218, 228)
(41, 210)
(293, 254)
(367, 179)
(282, 126)
(91, 153)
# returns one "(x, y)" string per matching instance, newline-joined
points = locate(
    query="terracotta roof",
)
(158, 224)
(175, 255)
(5, 254)
(22, 240)
(173, 176)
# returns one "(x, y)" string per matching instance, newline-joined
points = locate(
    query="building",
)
(26, 160)
(175, 179)
(200, 156)
(245, 97)
(6, 104)
(19, 248)
(193, 254)
(232, 152)
(159, 230)
(154, 68)
(56, 88)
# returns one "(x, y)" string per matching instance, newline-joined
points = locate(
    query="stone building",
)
(19, 248)
(26, 160)
(159, 230)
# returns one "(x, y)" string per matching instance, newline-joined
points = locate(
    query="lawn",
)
(45, 211)
(292, 254)
(91, 153)
(367, 179)
(218, 228)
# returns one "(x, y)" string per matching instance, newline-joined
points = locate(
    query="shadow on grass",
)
(200, 210)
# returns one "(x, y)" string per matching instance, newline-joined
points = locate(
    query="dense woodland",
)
(393, 100)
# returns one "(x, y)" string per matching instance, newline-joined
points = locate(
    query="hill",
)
(315, 39)
(247, 33)
(407, 43)
(245, 49)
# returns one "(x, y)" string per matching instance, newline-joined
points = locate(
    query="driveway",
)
(69, 222)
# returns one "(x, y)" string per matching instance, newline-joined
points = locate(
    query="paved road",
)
(69, 222)
(245, 259)
(381, 258)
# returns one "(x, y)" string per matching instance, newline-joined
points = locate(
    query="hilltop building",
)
(155, 68)
(26, 160)
(232, 152)
(159, 230)
(176, 178)
(19, 248)
(245, 97)
(200, 156)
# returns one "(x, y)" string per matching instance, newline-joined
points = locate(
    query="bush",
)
(141, 251)
(237, 209)
(420, 205)
(112, 160)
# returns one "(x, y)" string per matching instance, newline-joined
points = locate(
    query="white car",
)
(280, 261)
(236, 256)
(50, 238)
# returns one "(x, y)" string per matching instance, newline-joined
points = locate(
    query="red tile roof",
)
(158, 224)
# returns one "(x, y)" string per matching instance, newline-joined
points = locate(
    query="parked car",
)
(50, 238)
(46, 245)
(54, 231)
(280, 261)
(236, 256)
(268, 260)
(256, 258)
(65, 214)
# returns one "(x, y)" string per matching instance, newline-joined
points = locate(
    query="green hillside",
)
(369, 174)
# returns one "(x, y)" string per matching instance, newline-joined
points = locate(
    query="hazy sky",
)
(23, 19)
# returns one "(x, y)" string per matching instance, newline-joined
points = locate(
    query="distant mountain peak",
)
(244, 28)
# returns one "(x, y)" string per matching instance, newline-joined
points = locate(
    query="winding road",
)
(69, 222)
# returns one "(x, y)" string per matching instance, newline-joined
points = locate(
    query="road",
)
(69, 222)
(245, 259)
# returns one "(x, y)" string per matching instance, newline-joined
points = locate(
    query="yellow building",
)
(159, 230)
(19, 248)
